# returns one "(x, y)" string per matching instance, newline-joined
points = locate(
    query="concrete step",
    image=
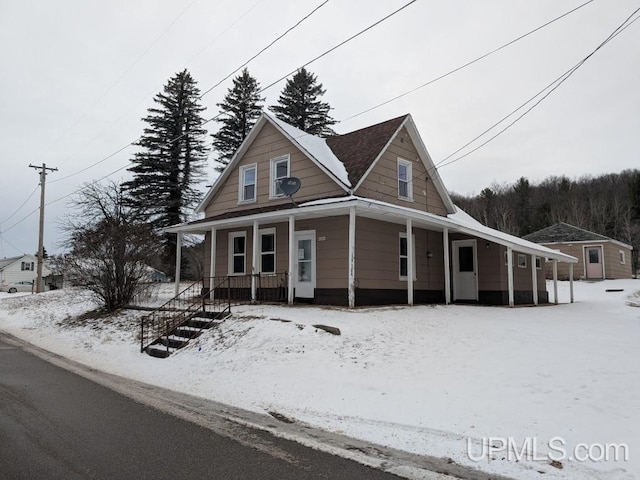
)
(187, 332)
(174, 341)
(158, 351)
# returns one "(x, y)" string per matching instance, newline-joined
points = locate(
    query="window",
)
(538, 263)
(279, 171)
(404, 256)
(268, 250)
(247, 192)
(622, 259)
(522, 260)
(506, 258)
(237, 253)
(27, 266)
(405, 188)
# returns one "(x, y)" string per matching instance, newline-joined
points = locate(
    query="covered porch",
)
(354, 251)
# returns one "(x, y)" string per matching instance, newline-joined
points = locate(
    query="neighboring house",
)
(599, 257)
(371, 224)
(20, 269)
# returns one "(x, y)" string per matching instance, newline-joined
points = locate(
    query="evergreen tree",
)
(299, 105)
(239, 110)
(171, 161)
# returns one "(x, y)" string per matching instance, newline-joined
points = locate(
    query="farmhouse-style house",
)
(599, 257)
(372, 223)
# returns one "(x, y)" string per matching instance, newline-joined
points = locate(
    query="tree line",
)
(606, 204)
(117, 230)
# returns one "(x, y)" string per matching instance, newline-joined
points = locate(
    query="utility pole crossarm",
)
(43, 178)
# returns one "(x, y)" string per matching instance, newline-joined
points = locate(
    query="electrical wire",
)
(21, 205)
(482, 57)
(550, 87)
(265, 48)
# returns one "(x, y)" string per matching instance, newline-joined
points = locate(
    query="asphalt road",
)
(55, 424)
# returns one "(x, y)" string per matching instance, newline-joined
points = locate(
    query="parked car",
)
(14, 287)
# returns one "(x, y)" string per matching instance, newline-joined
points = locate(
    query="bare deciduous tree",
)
(110, 245)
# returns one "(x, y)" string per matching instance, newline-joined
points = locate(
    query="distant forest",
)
(607, 204)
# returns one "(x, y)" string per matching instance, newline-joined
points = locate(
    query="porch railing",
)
(268, 287)
(181, 308)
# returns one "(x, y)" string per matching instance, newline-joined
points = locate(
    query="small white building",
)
(20, 269)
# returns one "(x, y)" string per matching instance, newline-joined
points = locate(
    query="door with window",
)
(593, 259)
(305, 274)
(465, 270)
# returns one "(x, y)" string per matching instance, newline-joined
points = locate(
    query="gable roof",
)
(5, 262)
(315, 148)
(347, 159)
(359, 149)
(563, 232)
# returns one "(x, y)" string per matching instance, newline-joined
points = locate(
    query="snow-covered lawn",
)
(436, 380)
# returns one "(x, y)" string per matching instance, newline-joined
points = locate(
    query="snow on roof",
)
(461, 220)
(316, 147)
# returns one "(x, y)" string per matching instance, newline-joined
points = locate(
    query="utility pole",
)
(43, 177)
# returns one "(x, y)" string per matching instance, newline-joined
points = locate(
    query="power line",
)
(21, 205)
(551, 88)
(451, 72)
(112, 86)
(267, 47)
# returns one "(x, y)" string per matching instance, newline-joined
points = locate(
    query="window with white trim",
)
(522, 260)
(268, 250)
(538, 263)
(506, 257)
(279, 171)
(622, 259)
(405, 180)
(404, 256)
(237, 253)
(27, 266)
(248, 183)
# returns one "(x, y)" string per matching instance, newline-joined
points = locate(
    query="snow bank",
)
(436, 380)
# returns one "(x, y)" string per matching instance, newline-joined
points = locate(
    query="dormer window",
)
(248, 176)
(279, 171)
(405, 180)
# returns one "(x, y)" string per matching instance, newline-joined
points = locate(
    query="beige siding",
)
(382, 181)
(611, 254)
(268, 144)
(378, 257)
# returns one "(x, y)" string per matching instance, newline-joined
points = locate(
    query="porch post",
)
(447, 261)
(555, 282)
(571, 282)
(534, 279)
(510, 274)
(254, 261)
(352, 257)
(178, 262)
(212, 263)
(292, 239)
(410, 260)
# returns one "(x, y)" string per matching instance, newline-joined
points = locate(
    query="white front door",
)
(305, 279)
(465, 270)
(593, 259)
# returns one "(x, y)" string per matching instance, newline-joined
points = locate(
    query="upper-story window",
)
(248, 179)
(279, 171)
(405, 180)
(26, 266)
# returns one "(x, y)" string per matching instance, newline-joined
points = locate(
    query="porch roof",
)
(458, 222)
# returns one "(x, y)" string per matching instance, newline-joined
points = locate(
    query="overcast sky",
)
(77, 76)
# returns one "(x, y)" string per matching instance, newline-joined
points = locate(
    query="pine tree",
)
(172, 157)
(299, 105)
(239, 110)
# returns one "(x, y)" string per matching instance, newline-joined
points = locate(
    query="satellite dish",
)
(290, 185)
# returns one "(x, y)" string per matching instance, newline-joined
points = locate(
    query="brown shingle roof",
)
(563, 232)
(357, 150)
